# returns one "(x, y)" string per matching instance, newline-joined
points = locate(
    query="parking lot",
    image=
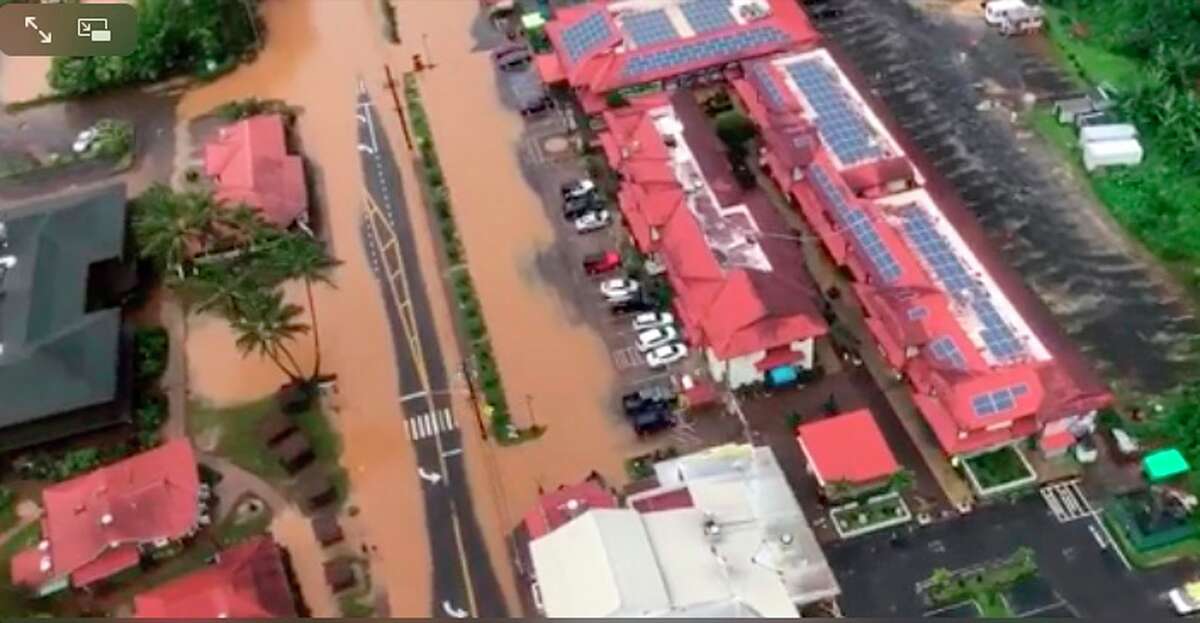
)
(881, 575)
(549, 159)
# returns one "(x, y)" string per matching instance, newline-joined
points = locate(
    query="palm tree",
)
(170, 227)
(900, 481)
(264, 324)
(296, 256)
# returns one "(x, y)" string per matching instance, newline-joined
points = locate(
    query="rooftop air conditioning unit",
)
(7, 262)
(752, 9)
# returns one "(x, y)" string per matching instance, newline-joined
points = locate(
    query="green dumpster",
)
(1164, 464)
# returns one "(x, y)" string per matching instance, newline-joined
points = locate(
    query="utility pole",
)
(529, 406)
(425, 45)
(391, 85)
(466, 372)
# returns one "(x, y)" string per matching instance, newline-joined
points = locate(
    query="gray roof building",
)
(57, 353)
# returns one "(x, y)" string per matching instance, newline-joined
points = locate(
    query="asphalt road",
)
(464, 583)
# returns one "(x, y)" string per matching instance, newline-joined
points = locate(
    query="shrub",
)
(150, 413)
(151, 345)
(389, 21)
(615, 99)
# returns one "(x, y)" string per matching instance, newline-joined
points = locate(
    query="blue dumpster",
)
(783, 375)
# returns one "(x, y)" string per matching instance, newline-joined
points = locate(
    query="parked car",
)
(652, 320)
(631, 306)
(535, 106)
(647, 398)
(575, 207)
(649, 422)
(619, 289)
(513, 57)
(651, 339)
(84, 141)
(592, 221)
(666, 355)
(575, 189)
(600, 263)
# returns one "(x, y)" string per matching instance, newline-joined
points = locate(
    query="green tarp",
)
(1164, 464)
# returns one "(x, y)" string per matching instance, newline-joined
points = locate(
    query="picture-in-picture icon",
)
(93, 29)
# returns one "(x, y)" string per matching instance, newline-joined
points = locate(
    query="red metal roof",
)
(847, 447)
(911, 312)
(614, 61)
(93, 523)
(564, 504)
(248, 581)
(738, 310)
(251, 165)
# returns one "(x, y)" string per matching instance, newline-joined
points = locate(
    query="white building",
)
(721, 536)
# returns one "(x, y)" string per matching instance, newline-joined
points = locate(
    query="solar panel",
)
(842, 128)
(650, 27)
(705, 51)
(707, 15)
(949, 269)
(859, 225)
(998, 401)
(946, 350)
(585, 35)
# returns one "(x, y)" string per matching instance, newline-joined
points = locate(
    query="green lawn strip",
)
(1089, 62)
(239, 439)
(469, 310)
(241, 443)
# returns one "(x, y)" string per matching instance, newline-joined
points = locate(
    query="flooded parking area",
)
(933, 68)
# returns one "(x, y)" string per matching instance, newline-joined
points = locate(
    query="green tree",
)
(264, 324)
(901, 481)
(301, 257)
(170, 227)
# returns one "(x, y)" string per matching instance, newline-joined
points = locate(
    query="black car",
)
(648, 422)
(825, 12)
(535, 106)
(632, 306)
(575, 207)
(648, 398)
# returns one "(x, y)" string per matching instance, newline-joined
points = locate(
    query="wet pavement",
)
(932, 70)
(879, 578)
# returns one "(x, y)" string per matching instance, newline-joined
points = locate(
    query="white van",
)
(995, 11)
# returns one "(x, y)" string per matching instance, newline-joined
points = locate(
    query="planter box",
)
(849, 514)
(1024, 477)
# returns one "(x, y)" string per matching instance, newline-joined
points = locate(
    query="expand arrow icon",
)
(31, 22)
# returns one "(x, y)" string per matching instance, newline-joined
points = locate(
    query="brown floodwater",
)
(23, 78)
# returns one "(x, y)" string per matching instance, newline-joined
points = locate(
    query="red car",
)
(600, 263)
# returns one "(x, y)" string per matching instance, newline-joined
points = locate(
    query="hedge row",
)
(470, 311)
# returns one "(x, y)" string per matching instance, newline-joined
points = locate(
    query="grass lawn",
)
(239, 441)
(1155, 200)
(1187, 548)
(998, 467)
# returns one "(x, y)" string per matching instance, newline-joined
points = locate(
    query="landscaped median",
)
(487, 389)
(984, 585)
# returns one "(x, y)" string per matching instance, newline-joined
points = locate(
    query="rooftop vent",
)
(711, 527)
(106, 519)
(43, 545)
(7, 262)
(44, 564)
(752, 9)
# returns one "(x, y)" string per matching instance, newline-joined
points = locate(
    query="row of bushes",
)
(469, 308)
(390, 30)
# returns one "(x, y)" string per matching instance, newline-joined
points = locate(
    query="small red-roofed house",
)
(248, 581)
(99, 524)
(251, 165)
(847, 450)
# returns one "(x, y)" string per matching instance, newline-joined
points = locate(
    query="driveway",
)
(932, 68)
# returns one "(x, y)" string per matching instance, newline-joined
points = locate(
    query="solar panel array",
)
(707, 15)
(946, 350)
(707, 51)
(948, 268)
(762, 76)
(999, 401)
(843, 128)
(859, 225)
(650, 27)
(586, 35)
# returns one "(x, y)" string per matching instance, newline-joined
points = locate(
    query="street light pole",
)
(529, 406)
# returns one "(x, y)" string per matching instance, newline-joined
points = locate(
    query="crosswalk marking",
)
(1067, 501)
(428, 424)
